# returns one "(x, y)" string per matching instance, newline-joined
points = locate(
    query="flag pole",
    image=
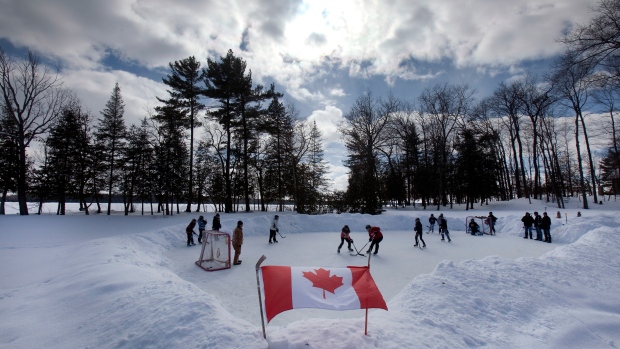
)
(260, 301)
(366, 319)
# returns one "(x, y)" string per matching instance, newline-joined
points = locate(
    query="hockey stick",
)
(356, 250)
(280, 234)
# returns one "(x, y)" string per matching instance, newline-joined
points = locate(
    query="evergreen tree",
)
(111, 136)
(185, 87)
(9, 157)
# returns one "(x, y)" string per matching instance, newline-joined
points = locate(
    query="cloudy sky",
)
(321, 54)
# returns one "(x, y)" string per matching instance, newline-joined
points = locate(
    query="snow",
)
(120, 281)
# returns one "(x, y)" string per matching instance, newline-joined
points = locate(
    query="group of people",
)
(443, 226)
(202, 225)
(474, 228)
(375, 236)
(237, 239)
(541, 224)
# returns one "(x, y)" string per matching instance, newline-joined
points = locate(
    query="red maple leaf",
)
(322, 280)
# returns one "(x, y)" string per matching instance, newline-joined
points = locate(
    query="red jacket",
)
(375, 233)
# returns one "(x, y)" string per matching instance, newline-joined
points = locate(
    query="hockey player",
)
(190, 230)
(202, 224)
(432, 220)
(216, 225)
(474, 228)
(375, 238)
(344, 236)
(443, 228)
(273, 229)
(418, 232)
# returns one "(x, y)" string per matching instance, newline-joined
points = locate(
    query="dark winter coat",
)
(537, 221)
(190, 227)
(545, 222)
(418, 227)
(432, 220)
(216, 223)
(527, 220)
(443, 223)
(473, 226)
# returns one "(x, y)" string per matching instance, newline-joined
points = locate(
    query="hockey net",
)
(215, 251)
(483, 225)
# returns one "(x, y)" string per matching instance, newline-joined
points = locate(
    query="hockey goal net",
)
(215, 251)
(483, 225)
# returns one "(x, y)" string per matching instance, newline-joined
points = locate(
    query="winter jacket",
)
(202, 224)
(527, 220)
(418, 227)
(375, 233)
(274, 225)
(545, 223)
(216, 223)
(345, 235)
(190, 227)
(443, 223)
(473, 226)
(537, 221)
(237, 238)
(432, 220)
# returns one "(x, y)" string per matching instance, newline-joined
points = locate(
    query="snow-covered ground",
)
(120, 281)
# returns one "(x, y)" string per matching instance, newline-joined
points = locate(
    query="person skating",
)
(273, 229)
(443, 227)
(545, 225)
(431, 221)
(375, 237)
(537, 227)
(216, 225)
(491, 219)
(190, 230)
(202, 224)
(418, 232)
(344, 236)
(474, 228)
(237, 241)
(527, 220)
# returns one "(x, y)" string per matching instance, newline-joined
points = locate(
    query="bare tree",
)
(445, 106)
(33, 96)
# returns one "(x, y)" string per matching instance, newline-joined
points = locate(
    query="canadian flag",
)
(286, 288)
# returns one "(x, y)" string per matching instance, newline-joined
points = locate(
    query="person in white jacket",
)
(273, 229)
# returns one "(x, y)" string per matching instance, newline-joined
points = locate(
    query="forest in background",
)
(441, 148)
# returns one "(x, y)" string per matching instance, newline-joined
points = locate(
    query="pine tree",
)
(184, 82)
(111, 135)
(9, 157)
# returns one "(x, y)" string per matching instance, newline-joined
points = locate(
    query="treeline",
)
(255, 148)
(445, 147)
(440, 148)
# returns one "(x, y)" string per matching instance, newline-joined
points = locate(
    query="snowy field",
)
(120, 281)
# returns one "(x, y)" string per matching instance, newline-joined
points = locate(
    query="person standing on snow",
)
(273, 229)
(375, 236)
(344, 236)
(237, 241)
(190, 230)
(545, 224)
(216, 222)
(527, 220)
(491, 219)
(443, 228)
(537, 223)
(202, 224)
(432, 220)
(418, 232)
